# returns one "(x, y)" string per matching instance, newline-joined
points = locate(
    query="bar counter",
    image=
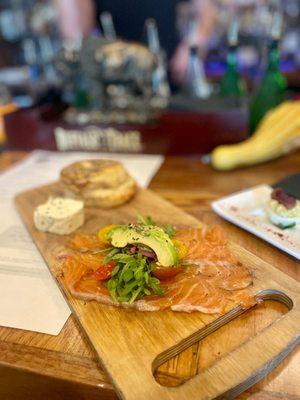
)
(38, 366)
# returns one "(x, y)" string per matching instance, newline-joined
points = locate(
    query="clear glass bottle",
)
(160, 82)
(196, 84)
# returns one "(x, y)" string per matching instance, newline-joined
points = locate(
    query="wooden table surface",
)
(37, 366)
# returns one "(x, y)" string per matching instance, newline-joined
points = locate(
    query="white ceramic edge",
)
(249, 228)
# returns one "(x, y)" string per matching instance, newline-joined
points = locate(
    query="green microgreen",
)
(141, 220)
(148, 221)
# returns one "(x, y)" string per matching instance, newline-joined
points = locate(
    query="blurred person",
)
(75, 17)
(79, 17)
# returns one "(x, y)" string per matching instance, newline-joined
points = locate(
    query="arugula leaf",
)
(154, 284)
(169, 230)
(131, 278)
(109, 255)
(141, 220)
(135, 294)
(116, 270)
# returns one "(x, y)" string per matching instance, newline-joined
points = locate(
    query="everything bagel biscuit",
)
(99, 183)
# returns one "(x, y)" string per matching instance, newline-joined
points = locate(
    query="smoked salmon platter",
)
(136, 328)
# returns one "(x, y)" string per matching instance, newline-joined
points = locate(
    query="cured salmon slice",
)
(227, 275)
(204, 244)
(207, 248)
(211, 280)
(78, 271)
(189, 291)
(84, 242)
(193, 291)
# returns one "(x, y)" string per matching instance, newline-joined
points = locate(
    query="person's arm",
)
(206, 12)
(207, 18)
(76, 17)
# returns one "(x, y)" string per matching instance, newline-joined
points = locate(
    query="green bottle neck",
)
(232, 58)
(274, 57)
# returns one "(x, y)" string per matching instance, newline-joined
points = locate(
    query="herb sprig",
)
(148, 221)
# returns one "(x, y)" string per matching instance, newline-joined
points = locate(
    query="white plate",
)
(247, 210)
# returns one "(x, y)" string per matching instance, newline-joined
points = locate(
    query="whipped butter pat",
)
(59, 215)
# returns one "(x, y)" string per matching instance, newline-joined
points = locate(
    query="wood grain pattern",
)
(127, 340)
(190, 185)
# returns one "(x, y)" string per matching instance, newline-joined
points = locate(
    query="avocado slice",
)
(149, 235)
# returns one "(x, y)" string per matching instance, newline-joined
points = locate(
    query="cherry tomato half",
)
(104, 271)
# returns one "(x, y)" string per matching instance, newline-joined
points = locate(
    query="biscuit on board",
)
(99, 183)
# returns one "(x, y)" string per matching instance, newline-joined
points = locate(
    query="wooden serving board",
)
(132, 344)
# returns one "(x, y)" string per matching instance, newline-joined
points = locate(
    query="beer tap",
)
(159, 79)
(108, 26)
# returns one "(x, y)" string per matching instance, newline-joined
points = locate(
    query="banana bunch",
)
(277, 134)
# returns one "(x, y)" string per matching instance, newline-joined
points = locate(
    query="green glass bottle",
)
(232, 85)
(273, 86)
(81, 99)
